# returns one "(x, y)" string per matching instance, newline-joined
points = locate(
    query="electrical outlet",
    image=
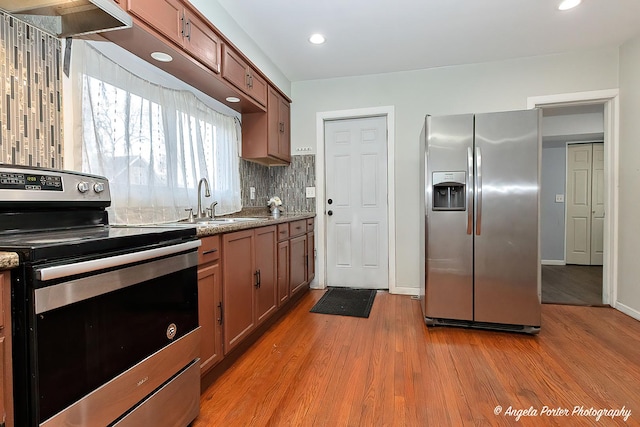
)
(252, 193)
(559, 198)
(311, 192)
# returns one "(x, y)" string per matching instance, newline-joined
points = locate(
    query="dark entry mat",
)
(346, 302)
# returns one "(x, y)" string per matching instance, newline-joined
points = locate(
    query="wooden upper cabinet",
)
(182, 26)
(201, 41)
(284, 129)
(164, 16)
(266, 136)
(237, 72)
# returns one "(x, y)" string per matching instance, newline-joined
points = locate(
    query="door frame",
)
(611, 100)
(320, 281)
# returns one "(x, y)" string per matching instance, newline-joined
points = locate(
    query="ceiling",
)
(381, 36)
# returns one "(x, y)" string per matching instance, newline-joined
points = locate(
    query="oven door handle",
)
(82, 267)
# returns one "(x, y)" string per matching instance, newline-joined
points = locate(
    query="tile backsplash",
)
(31, 95)
(287, 182)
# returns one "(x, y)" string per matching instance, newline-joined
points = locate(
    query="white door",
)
(585, 204)
(356, 203)
(597, 205)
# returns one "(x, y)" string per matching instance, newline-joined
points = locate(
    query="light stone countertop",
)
(211, 229)
(9, 260)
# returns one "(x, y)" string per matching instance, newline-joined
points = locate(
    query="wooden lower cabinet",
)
(298, 263)
(267, 289)
(6, 375)
(249, 282)
(244, 277)
(283, 272)
(311, 256)
(210, 303)
(238, 281)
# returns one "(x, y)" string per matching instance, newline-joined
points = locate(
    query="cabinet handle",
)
(221, 317)
(257, 274)
(209, 252)
(189, 33)
(182, 20)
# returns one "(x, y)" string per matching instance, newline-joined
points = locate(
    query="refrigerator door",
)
(506, 233)
(449, 242)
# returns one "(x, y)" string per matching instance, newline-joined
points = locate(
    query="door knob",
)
(330, 213)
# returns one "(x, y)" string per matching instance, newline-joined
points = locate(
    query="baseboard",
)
(553, 262)
(398, 290)
(627, 310)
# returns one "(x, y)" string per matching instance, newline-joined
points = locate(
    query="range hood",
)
(67, 18)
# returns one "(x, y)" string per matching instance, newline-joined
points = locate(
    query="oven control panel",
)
(26, 184)
(29, 181)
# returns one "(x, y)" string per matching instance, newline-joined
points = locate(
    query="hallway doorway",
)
(572, 284)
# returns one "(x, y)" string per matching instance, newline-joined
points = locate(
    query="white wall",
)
(554, 159)
(495, 86)
(573, 124)
(629, 217)
(232, 31)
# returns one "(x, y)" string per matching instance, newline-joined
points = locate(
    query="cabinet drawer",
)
(310, 224)
(283, 232)
(297, 228)
(209, 250)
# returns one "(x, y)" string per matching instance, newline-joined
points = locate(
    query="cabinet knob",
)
(330, 213)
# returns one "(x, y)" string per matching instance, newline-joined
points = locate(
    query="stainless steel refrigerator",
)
(481, 199)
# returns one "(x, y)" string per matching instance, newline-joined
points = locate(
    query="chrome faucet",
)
(200, 213)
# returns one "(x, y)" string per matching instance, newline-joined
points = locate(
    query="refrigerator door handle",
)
(469, 190)
(478, 191)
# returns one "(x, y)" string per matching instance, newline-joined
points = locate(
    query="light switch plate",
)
(311, 192)
(252, 193)
(559, 198)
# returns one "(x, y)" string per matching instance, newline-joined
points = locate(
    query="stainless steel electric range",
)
(104, 318)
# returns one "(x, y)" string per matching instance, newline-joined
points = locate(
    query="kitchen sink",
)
(215, 221)
(226, 220)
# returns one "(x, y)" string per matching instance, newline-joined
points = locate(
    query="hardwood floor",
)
(391, 370)
(572, 284)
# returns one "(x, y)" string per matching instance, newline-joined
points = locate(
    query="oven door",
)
(106, 333)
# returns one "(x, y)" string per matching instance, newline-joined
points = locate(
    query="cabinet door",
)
(298, 263)
(283, 272)
(234, 69)
(238, 287)
(311, 261)
(273, 122)
(210, 315)
(267, 290)
(201, 41)
(257, 87)
(284, 134)
(164, 16)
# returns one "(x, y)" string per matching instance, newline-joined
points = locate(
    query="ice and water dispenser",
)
(449, 191)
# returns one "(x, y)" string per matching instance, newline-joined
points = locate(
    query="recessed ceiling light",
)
(569, 4)
(232, 99)
(317, 38)
(161, 56)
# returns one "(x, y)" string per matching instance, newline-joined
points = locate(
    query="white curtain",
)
(154, 144)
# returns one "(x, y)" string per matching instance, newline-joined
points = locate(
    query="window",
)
(154, 144)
